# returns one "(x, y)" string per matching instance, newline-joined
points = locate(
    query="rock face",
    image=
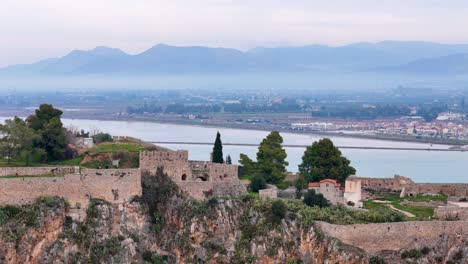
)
(214, 231)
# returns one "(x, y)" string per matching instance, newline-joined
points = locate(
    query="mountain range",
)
(384, 57)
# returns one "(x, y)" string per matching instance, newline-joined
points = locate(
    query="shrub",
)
(258, 183)
(102, 137)
(377, 260)
(315, 199)
(425, 250)
(413, 253)
(278, 209)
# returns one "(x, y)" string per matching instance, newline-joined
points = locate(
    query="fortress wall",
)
(197, 190)
(450, 189)
(114, 186)
(396, 183)
(451, 212)
(34, 171)
(19, 191)
(374, 238)
(217, 172)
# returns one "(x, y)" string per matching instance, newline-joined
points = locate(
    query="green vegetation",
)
(47, 124)
(323, 160)
(271, 160)
(315, 199)
(117, 147)
(102, 137)
(218, 150)
(377, 260)
(278, 210)
(420, 211)
(15, 220)
(258, 183)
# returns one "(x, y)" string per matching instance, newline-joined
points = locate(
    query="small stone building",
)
(330, 189)
(337, 194)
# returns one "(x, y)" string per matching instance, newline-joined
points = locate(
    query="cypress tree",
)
(218, 150)
(228, 160)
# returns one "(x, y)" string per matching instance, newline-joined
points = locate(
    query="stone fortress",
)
(199, 179)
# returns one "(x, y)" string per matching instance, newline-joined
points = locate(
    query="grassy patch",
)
(116, 147)
(421, 212)
(70, 162)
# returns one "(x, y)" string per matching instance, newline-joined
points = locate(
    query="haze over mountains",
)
(383, 58)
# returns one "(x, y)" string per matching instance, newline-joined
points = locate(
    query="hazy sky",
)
(36, 29)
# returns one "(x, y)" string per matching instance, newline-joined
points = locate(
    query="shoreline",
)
(265, 129)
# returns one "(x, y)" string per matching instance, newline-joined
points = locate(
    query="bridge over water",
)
(304, 146)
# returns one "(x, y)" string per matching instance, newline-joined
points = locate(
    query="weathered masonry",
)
(198, 179)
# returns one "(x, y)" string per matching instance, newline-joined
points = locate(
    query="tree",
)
(46, 122)
(257, 183)
(228, 160)
(271, 158)
(17, 140)
(300, 185)
(315, 199)
(247, 166)
(218, 150)
(323, 160)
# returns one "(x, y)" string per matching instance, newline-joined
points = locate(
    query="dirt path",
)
(401, 211)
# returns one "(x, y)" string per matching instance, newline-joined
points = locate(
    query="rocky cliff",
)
(163, 226)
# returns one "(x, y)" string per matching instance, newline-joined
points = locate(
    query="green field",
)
(421, 212)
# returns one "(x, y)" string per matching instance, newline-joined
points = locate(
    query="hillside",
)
(164, 226)
(387, 56)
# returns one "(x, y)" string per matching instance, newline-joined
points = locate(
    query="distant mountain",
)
(451, 64)
(384, 57)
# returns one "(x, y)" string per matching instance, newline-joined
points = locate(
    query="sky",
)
(31, 30)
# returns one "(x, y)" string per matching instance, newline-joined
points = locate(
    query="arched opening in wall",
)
(184, 177)
(205, 177)
(225, 175)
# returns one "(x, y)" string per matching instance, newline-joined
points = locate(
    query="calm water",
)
(421, 166)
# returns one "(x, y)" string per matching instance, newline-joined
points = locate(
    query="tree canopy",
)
(271, 160)
(218, 150)
(17, 140)
(323, 160)
(46, 122)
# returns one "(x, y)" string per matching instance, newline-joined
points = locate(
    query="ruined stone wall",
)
(214, 171)
(114, 186)
(175, 163)
(450, 189)
(395, 184)
(375, 238)
(35, 171)
(451, 213)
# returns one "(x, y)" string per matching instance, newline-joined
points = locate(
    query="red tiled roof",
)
(328, 180)
(314, 184)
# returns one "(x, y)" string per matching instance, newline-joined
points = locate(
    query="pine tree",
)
(323, 160)
(271, 158)
(218, 150)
